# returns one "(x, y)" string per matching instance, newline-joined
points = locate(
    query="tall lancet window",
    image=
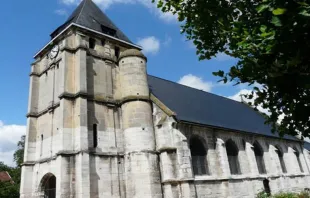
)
(95, 135)
(232, 154)
(298, 160)
(199, 157)
(281, 159)
(259, 156)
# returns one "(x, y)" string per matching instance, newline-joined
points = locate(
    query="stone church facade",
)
(98, 126)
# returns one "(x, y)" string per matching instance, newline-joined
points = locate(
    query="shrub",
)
(304, 194)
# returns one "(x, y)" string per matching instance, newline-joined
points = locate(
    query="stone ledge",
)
(167, 149)
(50, 66)
(49, 108)
(176, 181)
(142, 151)
(91, 52)
(234, 178)
(100, 99)
(73, 153)
(132, 52)
(105, 100)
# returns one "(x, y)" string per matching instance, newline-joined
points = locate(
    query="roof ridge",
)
(186, 86)
(77, 19)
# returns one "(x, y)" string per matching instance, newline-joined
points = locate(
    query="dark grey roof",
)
(196, 106)
(88, 14)
(307, 145)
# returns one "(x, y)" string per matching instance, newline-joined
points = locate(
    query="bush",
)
(304, 194)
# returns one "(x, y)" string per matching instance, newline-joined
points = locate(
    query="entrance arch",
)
(48, 186)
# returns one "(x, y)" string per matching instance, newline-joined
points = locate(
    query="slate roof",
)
(200, 107)
(307, 145)
(88, 14)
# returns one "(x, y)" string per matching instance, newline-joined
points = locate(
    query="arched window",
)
(232, 154)
(259, 156)
(281, 159)
(298, 160)
(48, 186)
(199, 154)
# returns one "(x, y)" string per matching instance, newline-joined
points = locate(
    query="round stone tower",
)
(141, 160)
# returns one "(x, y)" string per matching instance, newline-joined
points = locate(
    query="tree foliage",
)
(270, 40)
(8, 189)
(19, 153)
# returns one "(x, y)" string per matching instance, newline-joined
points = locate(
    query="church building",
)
(98, 126)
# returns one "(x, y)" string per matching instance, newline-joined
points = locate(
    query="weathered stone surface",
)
(142, 151)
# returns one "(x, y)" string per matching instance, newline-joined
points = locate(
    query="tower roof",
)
(90, 16)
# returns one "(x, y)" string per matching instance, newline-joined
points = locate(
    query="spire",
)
(89, 15)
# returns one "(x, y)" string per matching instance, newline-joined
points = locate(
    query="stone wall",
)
(173, 141)
(137, 154)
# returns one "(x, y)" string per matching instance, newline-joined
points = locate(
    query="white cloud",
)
(196, 82)
(9, 136)
(61, 12)
(70, 2)
(105, 4)
(167, 41)
(238, 97)
(149, 44)
(222, 57)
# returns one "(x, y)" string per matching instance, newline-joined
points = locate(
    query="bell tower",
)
(89, 123)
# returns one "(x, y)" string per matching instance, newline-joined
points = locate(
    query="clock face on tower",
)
(54, 52)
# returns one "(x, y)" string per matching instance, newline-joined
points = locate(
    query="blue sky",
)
(25, 29)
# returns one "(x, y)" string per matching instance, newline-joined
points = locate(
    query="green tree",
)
(270, 40)
(19, 153)
(7, 189)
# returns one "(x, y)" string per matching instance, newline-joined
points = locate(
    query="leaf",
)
(304, 13)
(263, 28)
(262, 7)
(302, 3)
(279, 11)
(276, 21)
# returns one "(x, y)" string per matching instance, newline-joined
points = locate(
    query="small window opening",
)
(103, 42)
(108, 31)
(95, 135)
(57, 66)
(243, 143)
(232, 154)
(117, 52)
(281, 159)
(259, 156)
(41, 149)
(298, 160)
(92, 43)
(199, 157)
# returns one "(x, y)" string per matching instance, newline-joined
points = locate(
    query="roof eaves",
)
(80, 26)
(111, 37)
(238, 131)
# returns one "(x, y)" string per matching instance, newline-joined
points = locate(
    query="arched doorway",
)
(48, 186)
